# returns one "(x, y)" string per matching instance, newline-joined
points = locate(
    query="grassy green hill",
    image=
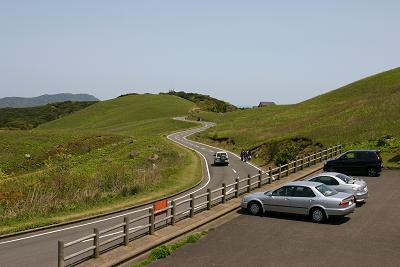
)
(205, 102)
(363, 114)
(110, 155)
(28, 118)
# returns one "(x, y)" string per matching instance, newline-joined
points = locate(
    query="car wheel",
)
(254, 208)
(372, 172)
(317, 215)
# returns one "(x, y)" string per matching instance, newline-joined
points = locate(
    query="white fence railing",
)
(147, 221)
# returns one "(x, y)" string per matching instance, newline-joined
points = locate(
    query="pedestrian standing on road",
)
(242, 155)
(249, 154)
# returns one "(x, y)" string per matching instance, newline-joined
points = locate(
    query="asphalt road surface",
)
(40, 248)
(368, 237)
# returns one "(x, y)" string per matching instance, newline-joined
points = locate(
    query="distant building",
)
(266, 104)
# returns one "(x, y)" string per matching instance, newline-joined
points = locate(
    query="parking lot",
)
(368, 237)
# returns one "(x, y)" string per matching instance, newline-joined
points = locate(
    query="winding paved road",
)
(40, 248)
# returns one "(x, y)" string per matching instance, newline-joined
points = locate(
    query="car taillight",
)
(346, 202)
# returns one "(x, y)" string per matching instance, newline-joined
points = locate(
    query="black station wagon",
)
(356, 162)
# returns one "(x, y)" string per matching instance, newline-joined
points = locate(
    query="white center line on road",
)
(230, 190)
(234, 170)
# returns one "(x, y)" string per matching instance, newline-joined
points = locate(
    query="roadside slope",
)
(363, 111)
(111, 155)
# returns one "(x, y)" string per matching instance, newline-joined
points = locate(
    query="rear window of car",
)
(326, 191)
(344, 178)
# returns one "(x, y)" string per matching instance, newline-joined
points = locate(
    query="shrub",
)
(285, 155)
(160, 252)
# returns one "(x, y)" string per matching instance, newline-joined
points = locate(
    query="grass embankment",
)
(164, 251)
(108, 156)
(363, 114)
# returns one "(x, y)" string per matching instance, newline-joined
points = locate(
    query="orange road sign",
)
(160, 205)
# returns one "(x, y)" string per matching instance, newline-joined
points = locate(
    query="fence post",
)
(295, 165)
(237, 188)
(302, 163)
(173, 212)
(248, 183)
(259, 178)
(191, 205)
(96, 243)
(151, 221)
(280, 171)
(126, 230)
(223, 193)
(270, 175)
(208, 198)
(61, 253)
(340, 149)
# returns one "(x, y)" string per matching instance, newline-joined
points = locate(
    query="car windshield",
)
(344, 178)
(326, 191)
(221, 155)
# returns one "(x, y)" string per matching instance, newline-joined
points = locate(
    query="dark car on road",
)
(356, 162)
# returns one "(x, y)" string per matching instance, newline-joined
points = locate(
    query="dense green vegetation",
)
(107, 156)
(356, 115)
(205, 102)
(28, 118)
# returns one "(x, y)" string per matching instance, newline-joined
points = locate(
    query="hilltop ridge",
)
(24, 102)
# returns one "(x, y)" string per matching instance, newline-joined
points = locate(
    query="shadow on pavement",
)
(296, 217)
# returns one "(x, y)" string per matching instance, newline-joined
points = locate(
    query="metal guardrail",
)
(148, 223)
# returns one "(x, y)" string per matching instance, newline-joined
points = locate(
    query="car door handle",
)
(286, 198)
(311, 200)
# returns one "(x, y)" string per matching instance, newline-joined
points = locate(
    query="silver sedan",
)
(343, 183)
(302, 197)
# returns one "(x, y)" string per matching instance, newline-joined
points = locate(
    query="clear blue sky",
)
(240, 51)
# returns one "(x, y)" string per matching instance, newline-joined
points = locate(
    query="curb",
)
(48, 227)
(130, 255)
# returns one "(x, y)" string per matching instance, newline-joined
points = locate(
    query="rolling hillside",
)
(109, 155)
(357, 115)
(28, 118)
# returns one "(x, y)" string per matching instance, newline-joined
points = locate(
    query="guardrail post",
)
(126, 230)
(151, 221)
(248, 183)
(259, 178)
(237, 188)
(61, 253)
(308, 160)
(280, 171)
(191, 205)
(223, 193)
(270, 175)
(295, 165)
(173, 212)
(96, 241)
(302, 163)
(208, 198)
(340, 149)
